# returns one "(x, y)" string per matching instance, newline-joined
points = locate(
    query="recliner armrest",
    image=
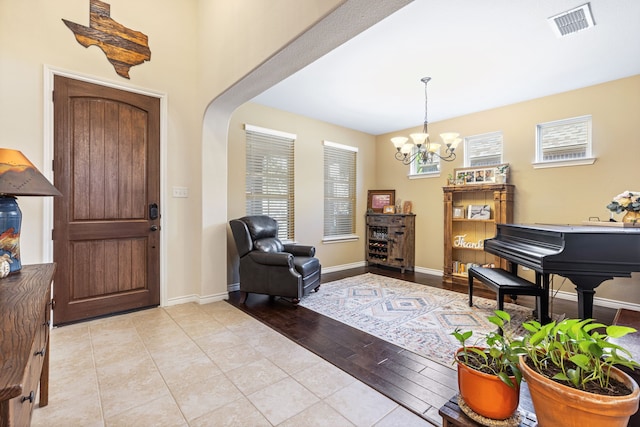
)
(300, 250)
(272, 258)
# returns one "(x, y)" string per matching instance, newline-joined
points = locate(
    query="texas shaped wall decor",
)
(123, 47)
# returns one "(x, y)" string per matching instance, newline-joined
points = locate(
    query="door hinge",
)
(53, 96)
(53, 234)
(53, 165)
(53, 304)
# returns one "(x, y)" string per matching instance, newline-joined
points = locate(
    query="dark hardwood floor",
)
(411, 380)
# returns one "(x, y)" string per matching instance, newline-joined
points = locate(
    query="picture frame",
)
(389, 209)
(479, 212)
(479, 175)
(378, 199)
(458, 212)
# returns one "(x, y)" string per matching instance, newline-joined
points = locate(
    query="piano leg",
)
(542, 303)
(585, 303)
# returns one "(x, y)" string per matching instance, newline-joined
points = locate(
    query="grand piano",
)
(587, 255)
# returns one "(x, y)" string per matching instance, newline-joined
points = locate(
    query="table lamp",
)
(18, 177)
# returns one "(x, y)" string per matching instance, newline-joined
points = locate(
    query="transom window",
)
(419, 167)
(483, 150)
(564, 142)
(270, 177)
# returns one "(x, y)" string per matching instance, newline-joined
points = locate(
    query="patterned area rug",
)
(416, 317)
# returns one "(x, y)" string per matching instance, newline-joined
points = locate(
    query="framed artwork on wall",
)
(378, 199)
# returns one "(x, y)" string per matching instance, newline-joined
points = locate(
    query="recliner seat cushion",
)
(306, 265)
(270, 244)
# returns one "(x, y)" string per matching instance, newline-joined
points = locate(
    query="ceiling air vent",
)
(572, 21)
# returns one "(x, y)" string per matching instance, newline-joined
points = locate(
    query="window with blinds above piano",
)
(564, 142)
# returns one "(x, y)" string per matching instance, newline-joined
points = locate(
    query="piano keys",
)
(586, 255)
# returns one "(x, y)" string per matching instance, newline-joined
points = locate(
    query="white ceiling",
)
(479, 54)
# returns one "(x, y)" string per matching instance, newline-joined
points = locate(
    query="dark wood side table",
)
(452, 415)
(25, 306)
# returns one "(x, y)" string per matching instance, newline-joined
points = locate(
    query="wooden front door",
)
(106, 225)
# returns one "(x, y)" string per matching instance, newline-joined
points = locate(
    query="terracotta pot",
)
(486, 394)
(559, 405)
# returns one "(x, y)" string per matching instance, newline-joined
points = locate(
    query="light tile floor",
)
(200, 365)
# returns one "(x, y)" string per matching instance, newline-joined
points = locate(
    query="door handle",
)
(154, 227)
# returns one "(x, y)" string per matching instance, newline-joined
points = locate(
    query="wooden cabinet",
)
(25, 304)
(391, 240)
(464, 234)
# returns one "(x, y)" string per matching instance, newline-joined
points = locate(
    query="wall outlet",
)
(180, 192)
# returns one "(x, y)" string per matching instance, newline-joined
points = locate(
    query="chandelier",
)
(425, 150)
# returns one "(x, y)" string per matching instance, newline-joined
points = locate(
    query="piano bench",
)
(506, 283)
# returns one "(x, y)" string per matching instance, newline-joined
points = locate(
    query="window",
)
(269, 179)
(339, 191)
(483, 150)
(419, 167)
(564, 142)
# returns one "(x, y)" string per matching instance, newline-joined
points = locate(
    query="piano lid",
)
(568, 249)
(574, 228)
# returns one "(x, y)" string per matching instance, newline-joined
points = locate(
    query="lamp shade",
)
(18, 176)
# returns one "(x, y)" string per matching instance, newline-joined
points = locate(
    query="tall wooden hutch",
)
(464, 236)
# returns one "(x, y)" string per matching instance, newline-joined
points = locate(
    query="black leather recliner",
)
(267, 266)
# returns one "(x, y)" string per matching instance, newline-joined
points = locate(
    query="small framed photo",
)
(389, 209)
(378, 199)
(458, 212)
(479, 212)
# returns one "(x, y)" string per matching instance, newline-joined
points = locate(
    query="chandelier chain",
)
(421, 148)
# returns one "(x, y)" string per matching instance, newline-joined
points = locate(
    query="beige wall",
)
(198, 49)
(309, 173)
(213, 45)
(566, 195)
(33, 35)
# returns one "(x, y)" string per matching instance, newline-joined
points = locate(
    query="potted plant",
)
(489, 377)
(569, 367)
(628, 202)
(501, 173)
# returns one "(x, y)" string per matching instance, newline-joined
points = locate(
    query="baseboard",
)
(601, 302)
(198, 299)
(344, 267)
(430, 271)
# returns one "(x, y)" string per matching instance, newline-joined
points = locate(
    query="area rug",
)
(416, 317)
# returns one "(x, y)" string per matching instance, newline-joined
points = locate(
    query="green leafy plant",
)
(499, 357)
(502, 169)
(575, 352)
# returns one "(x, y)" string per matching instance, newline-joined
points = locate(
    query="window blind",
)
(339, 189)
(270, 177)
(564, 140)
(483, 150)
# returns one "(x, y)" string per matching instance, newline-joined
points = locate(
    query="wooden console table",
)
(25, 305)
(452, 415)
